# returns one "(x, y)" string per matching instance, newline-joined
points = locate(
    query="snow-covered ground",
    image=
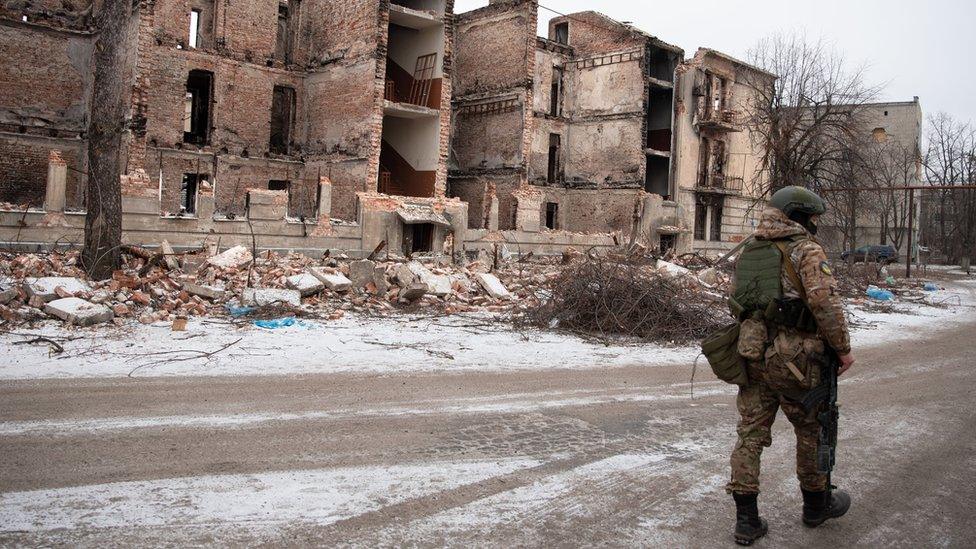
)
(320, 497)
(395, 344)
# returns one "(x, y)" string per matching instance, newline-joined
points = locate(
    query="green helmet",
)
(798, 199)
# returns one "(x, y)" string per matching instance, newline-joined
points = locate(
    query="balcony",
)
(719, 184)
(724, 120)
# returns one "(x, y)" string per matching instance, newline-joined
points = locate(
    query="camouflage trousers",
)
(757, 405)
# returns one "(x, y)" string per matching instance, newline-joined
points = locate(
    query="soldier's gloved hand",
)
(846, 361)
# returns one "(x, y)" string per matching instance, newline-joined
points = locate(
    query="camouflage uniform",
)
(758, 401)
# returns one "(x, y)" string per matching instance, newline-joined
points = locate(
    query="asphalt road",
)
(618, 457)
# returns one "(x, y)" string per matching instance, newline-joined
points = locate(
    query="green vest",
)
(758, 289)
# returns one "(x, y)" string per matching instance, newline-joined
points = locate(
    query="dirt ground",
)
(617, 456)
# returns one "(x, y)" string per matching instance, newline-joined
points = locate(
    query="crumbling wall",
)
(492, 46)
(606, 153)
(72, 15)
(44, 95)
(46, 81)
(340, 30)
(593, 211)
(616, 88)
(244, 31)
(489, 140)
(475, 192)
(593, 33)
(23, 170)
(235, 176)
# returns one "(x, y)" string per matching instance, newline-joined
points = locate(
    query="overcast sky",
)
(918, 48)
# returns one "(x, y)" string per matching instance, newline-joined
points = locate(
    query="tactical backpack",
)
(762, 263)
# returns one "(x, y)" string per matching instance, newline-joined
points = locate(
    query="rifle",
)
(824, 399)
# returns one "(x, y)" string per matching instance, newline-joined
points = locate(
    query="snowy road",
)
(548, 453)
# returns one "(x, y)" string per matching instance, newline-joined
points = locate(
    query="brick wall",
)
(490, 47)
(23, 170)
(591, 33)
(45, 80)
(74, 15)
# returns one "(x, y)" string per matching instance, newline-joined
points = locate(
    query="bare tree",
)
(949, 214)
(809, 126)
(891, 165)
(112, 71)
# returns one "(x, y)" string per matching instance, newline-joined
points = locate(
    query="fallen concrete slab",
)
(212, 293)
(46, 288)
(362, 272)
(79, 312)
(333, 280)
(305, 284)
(234, 258)
(493, 286)
(269, 296)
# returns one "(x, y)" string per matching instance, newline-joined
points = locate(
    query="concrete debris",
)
(8, 295)
(52, 287)
(362, 273)
(333, 280)
(709, 276)
(169, 256)
(234, 258)
(262, 297)
(207, 292)
(305, 284)
(79, 312)
(147, 290)
(493, 286)
(413, 292)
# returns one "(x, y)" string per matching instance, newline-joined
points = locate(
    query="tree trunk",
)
(103, 201)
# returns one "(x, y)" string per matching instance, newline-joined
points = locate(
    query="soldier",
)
(784, 295)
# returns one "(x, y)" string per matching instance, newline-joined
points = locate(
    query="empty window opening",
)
(668, 243)
(189, 191)
(278, 185)
(661, 64)
(201, 23)
(715, 223)
(880, 135)
(713, 159)
(659, 119)
(282, 119)
(657, 176)
(556, 92)
(552, 175)
(561, 33)
(194, 29)
(708, 217)
(197, 107)
(418, 238)
(552, 215)
(287, 29)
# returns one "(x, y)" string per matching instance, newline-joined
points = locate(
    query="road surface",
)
(618, 456)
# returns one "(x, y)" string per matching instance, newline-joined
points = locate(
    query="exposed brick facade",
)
(335, 65)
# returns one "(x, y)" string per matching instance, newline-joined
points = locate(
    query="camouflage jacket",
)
(810, 260)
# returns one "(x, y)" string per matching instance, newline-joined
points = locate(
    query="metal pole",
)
(911, 231)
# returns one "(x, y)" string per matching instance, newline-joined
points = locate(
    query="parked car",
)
(879, 254)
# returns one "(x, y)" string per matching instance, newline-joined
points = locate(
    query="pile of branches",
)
(607, 299)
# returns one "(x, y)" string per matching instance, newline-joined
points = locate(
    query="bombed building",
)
(599, 128)
(302, 116)
(326, 124)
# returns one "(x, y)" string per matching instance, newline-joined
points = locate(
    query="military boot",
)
(820, 506)
(748, 526)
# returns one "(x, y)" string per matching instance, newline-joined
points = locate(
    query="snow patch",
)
(251, 501)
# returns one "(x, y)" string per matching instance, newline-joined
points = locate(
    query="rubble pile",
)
(160, 286)
(606, 298)
(164, 286)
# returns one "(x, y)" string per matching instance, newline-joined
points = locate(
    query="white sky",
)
(915, 48)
